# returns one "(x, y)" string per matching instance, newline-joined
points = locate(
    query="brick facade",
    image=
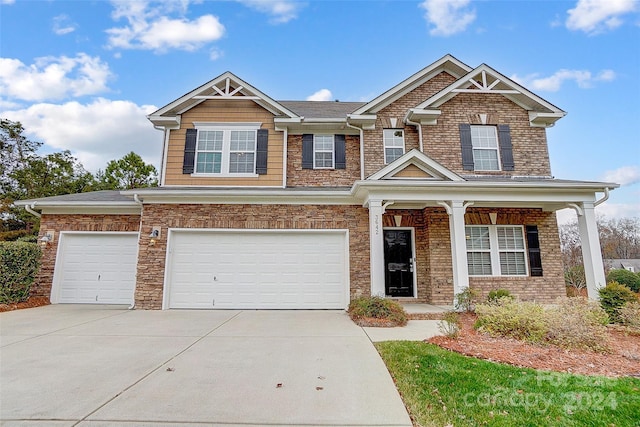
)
(298, 177)
(151, 259)
(68, 222)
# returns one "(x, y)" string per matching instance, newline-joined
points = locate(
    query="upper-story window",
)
(323, 152)
(393, 144)
(226, 151)
(485, 148)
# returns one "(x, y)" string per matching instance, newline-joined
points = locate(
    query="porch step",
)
(425, 311)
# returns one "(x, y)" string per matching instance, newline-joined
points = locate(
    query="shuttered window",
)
(496, 250)
(486, 148)
(323, 151)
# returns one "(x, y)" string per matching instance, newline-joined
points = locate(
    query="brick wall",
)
(151, 259)
(58, 223)
(298, 177)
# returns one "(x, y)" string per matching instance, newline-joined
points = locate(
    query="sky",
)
(83, 75)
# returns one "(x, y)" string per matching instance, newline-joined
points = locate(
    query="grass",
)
(441, 388)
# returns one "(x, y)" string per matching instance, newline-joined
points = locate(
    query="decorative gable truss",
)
(486, 80)
(415, 165)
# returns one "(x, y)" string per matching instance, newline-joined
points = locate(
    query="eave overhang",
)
(363, 121)
(423, 116)
(79, 207)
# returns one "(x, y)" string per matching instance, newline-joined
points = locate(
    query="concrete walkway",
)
(67, 365)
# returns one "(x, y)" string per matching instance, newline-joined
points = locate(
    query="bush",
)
(465, 300)
(630, 315)
(577, 323)
(496, 294)
(388, 311)
(450, 324)
(625, 277)
(510, 318)
(613, 297)
(11, 236)
(19, 263)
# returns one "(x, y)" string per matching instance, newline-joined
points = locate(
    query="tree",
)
(126, 173)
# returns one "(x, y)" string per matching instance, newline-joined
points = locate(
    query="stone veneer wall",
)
(298, 177)
(151, 259)
(67, 222)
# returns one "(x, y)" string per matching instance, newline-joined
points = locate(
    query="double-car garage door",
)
(211, 269)
(234, 269)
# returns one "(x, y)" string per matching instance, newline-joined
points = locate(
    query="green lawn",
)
(443, 388)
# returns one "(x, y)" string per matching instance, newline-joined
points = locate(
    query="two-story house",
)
(440, 183)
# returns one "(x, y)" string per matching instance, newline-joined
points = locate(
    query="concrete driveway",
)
(66, 365)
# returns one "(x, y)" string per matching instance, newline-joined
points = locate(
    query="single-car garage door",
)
(233, 269)
(95, 268)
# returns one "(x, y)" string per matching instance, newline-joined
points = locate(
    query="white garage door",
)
(96, 268)
(251, 270)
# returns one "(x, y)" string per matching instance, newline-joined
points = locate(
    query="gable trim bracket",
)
(544, 120)
(424, 116)
(364, 121)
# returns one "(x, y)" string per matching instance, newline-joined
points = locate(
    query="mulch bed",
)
(30, 303)
(623, 359)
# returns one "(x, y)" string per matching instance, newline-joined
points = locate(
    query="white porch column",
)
(376, 247)
(591, 253)
(456, 209)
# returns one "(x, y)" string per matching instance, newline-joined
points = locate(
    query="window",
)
(225, 151)
(323, 151)
(484, 140)
(393, 144)
(496, 250)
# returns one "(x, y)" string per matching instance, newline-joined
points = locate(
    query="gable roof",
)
(485, 79)
(447, 64)
(225, 86)
(432, 169)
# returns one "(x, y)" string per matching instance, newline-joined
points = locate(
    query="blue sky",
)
(82, 75)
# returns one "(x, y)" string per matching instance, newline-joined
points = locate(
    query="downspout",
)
(417, 125)
(603, 199)
(285, 157)
(138, 201)
(165, 147)
(361, 148)
(31, 211)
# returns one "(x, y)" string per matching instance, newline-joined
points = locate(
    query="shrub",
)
(613, 297)
(625, 277)
(376, 307)
(19, 263)
(13, 235)
(510, 318)
(496, 294)
(450, 324)
(465, 300)
(630, 315)
(574, 277)
(577, 323)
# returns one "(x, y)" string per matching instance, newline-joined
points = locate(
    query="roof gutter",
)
(603, 199)
(419, 127)
(31, 208)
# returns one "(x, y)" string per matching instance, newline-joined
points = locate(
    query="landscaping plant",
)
(386, 311)
(613, 297)
(577, 323)
(625, 277)
(465, 300)
(19, 263)
(511, 318)
(450, 324)
(496, 294)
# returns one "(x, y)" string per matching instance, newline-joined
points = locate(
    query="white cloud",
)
(321, 95)
(626, 175)
(95, 133)
(583, 78)
(150, 29)
(53, 78)
(280, 11)
(448, 16)
(62, 25)
(607, 209)
(215, 54)
(7, 1)
(596, 16)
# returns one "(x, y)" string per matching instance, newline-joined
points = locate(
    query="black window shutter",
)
(467, 146)
(307, 151)
(189, 151)
(533, 244)
(340, 151)
(261, 151)
(506, 149)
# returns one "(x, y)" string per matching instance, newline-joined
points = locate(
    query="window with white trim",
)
(496, 250)
(226, 151)
(393, 144)
(323, 151)
(486, 153)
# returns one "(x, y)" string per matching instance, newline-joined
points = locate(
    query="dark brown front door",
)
(398, 262)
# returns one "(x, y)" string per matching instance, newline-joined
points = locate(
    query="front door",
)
(398, 262)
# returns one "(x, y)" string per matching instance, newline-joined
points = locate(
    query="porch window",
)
(485, 148)
(393, 144)
(496, 250)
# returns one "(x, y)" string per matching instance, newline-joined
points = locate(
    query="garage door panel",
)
(257, 269)
(96, 268)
